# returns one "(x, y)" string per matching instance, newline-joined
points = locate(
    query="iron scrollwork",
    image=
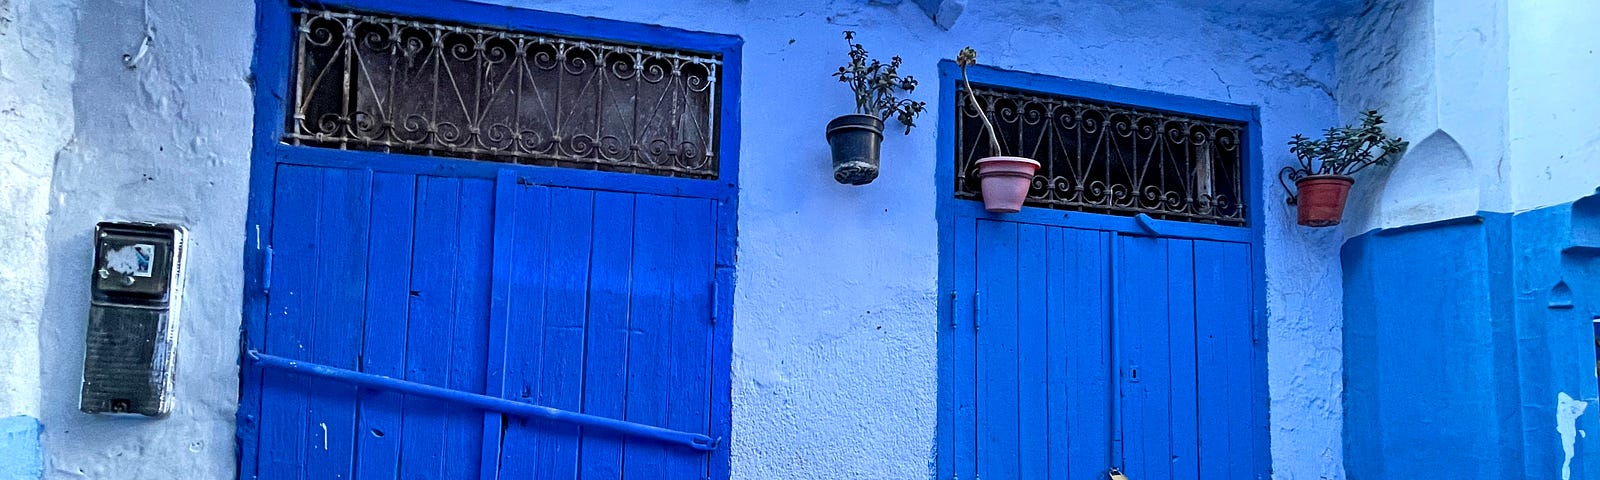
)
(1289, 176)
(379, 83)
(1105, 158)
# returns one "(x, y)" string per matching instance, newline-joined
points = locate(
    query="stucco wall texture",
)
(166, 141)
(36, 71)
(834, 368)
(1437, 70)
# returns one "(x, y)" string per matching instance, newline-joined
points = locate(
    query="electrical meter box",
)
(136, 289)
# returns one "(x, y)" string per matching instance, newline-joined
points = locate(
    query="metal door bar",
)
(484, 402)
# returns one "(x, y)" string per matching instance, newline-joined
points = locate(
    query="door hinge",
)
(266, 271)
(953, 312)
(1255, 326)
(977, 308)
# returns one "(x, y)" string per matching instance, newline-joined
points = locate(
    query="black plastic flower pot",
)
(855, 140)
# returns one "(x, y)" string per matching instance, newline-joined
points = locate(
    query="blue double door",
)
(1086, 350)
(584, 300)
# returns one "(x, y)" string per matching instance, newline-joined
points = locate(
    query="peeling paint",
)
(1568, 410)
(20, 457)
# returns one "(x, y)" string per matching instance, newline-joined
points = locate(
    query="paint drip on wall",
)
(1568, 410)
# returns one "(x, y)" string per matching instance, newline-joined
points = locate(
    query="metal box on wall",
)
(136, 290)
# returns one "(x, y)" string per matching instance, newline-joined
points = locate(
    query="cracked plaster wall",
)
(1474, 77)
(834, 338)
(1437, 72)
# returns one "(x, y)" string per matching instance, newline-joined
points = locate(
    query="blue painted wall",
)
(20, 457)
(1470, 347)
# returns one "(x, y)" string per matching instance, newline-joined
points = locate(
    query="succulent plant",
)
(1345, 150)
(877, 85)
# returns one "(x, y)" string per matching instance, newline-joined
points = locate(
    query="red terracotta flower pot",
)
(1005, 182)
(1322, 198)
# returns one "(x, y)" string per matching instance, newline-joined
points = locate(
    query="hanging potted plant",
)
(855, 138)
(1324, 175)
(1003, 180)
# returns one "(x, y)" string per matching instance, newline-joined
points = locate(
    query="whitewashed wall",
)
(834, 338)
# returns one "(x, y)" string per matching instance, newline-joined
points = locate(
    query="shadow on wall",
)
(1580, 260)
(1586, 222)
(1433, 180)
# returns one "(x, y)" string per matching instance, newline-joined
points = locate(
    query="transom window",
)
(1105, 158)
(380, 83)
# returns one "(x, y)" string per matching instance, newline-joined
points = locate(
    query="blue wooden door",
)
(1184, 346)
(1091, 349)
(599, 302)
(1042, 398)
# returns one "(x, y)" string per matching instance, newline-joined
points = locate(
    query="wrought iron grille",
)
(378, 83)
(1104, 158)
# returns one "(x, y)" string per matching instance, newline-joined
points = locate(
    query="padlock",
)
(1115, 474)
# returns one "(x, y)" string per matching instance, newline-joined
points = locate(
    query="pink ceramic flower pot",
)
(1005, 182)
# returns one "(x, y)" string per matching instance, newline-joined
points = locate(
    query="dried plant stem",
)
(994, 140)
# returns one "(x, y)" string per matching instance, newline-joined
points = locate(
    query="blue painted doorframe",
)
(364, 199)
(1085, 259)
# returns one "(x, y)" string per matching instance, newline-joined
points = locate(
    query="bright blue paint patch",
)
(20, 455)
(1413, 314)
(1461, 339)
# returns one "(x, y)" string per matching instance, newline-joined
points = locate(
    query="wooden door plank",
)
(998, 440)
(1064, 287)
(1184, 417)
(297, 207)
(1237, 323)
(1143, 335)
(1083, 337)
(469, 326)
(605, 364)
(689, 340)
(524, 321)
(342, 232)
(507, 190)
(1222, 309)
(649, 329)
(1211, 360)
(1033, 292)
(565, 313)
(384, 332)
(963, 361)
(428, 343)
